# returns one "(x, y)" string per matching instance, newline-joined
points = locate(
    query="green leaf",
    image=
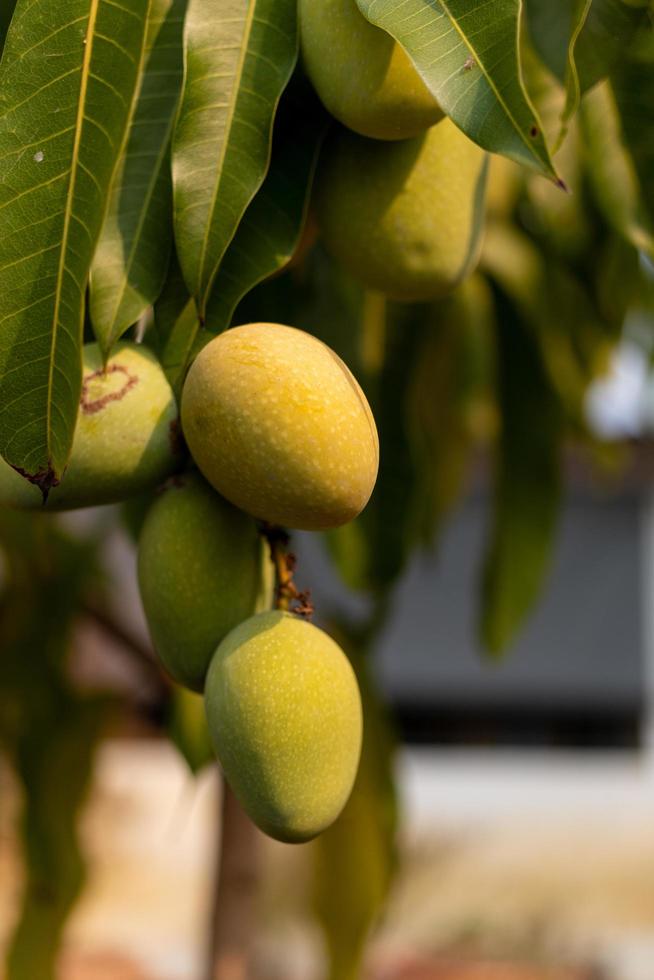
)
(633, 85)
(177, 327)
(133, 252)
(66, 83)
(527, 482)
(467, 54)
(612, 170)
(187, 728)
(354, 859)
(239, 58)
(593, 36)
(271, 229)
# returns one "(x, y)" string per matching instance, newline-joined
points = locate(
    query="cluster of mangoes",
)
(279, 433)
(399, 193)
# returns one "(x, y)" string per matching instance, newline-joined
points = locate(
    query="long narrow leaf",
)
(271, 228)
(132, 257)
(66, 84)
(239, 58)
(467, 54)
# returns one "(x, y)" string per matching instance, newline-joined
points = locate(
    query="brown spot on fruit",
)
(96, 390)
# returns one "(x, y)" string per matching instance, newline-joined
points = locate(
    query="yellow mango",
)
(126, 438)
(199, 572)
(278, 425)
(363, 77)
(284, 715)
(403, 218)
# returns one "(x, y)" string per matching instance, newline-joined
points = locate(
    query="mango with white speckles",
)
(126, 438)
(405, 219)
(362, 75)
(199, 572)
(284, 715)
(278, 425)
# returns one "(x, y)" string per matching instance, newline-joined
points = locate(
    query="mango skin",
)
(403, 218)
(126, 438)
(279, 426)
(284, 715)
(362, 76)
(199, 571)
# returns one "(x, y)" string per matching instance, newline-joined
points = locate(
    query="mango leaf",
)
(67, 79)
(354, 859)
(46, 729)
(133, 252)
(633, 86)
(450, 405)
(527, 481)
(467, 54)
(187, 728)
(177, 327)
(612, 171)
(271, 229)
(589, 38)
(239, 58)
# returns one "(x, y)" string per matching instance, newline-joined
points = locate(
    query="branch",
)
(287, 595)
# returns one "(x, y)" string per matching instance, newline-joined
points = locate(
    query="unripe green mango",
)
(126, 438)
(363, 77)
(284, 715)
(404, 218)
(277, 424)
(199, 572)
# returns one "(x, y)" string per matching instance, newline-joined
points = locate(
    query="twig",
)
(287, 595)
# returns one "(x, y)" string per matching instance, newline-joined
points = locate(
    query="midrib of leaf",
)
(147, 197)
(573, 94)
(221, 159)
(488, 78)
(79, 125)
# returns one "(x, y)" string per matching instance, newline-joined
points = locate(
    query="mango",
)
(199, 571)
(126, 438)
(279, 426)
(284, 716)
(405, 219)
(363, 77)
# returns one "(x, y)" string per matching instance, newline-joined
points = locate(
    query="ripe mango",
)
(404, 218)
(278, 425)
(126, 438)
(284, 715)
(363, 77)
(199, 571)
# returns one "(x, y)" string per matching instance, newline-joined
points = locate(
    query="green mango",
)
(126, 438)
(284, 715)
(199, 573)
(363, 77)
(403, 218)
(277, 424)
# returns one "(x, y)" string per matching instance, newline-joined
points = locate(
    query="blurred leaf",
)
(527, 482)
(354, 859)
(47, 730)
(633, 86)
(177, 327)
(580, 42)
(272, 226)
(450, 401)
(187, 728)
(467, 54)
(612, 171)
(238, 59)
(67, 79)
(133, 252)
